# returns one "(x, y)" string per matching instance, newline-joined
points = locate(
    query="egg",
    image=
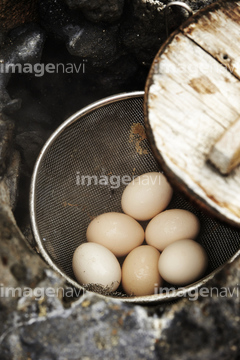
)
(183, 262)
(118, 232)
(140, 273)
(170, 226)
(146, 196)
(95, 264)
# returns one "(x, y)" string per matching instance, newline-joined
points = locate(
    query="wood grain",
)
(225, 153)
(192, 98)
(218, 33)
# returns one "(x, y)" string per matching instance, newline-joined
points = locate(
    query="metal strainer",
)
(106, 138)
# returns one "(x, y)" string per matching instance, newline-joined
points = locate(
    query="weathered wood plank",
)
(218, 33)
(191, 101)
(225, 154)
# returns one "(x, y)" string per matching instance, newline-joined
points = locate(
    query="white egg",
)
(170, 226)
(118, 232)
(183, 262)
(95, 264)
(146, 196)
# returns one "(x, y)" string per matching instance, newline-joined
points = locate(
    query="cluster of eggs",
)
(170, 252)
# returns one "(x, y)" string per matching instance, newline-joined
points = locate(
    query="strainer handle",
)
(175, 3)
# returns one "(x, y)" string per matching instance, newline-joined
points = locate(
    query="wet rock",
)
(143, 29)
(97, 43)
(14, 254)
(56, 18)
(96, 11)
(206, 328)
(19, 271)
(6, 141)
(14, 13)
(198, 4)
(121, 76)
(29, 144)
(11, 178)
(2, 37)
(24, 45)
(138, 32)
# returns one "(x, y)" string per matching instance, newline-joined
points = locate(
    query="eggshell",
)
(170, 226)
(183, 262)
(118, 232)
(140, 273)
(95, 264)
(146, 196)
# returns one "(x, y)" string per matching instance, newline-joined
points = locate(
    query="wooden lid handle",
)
(225, 153)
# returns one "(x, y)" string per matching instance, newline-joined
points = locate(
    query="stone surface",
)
(56, 17)
(96, 10)
(142, 16)
(30, 144)
(6, 141)
(11, 178)
(97, 43)
(198, 4)
(23, 45)
(50, 327)
(14, 13)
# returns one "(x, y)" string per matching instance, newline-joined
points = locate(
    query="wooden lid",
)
(192, 108)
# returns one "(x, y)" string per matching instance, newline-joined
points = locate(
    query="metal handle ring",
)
(175, 3)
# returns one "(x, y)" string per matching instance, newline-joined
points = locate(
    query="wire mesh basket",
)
(104, 139)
